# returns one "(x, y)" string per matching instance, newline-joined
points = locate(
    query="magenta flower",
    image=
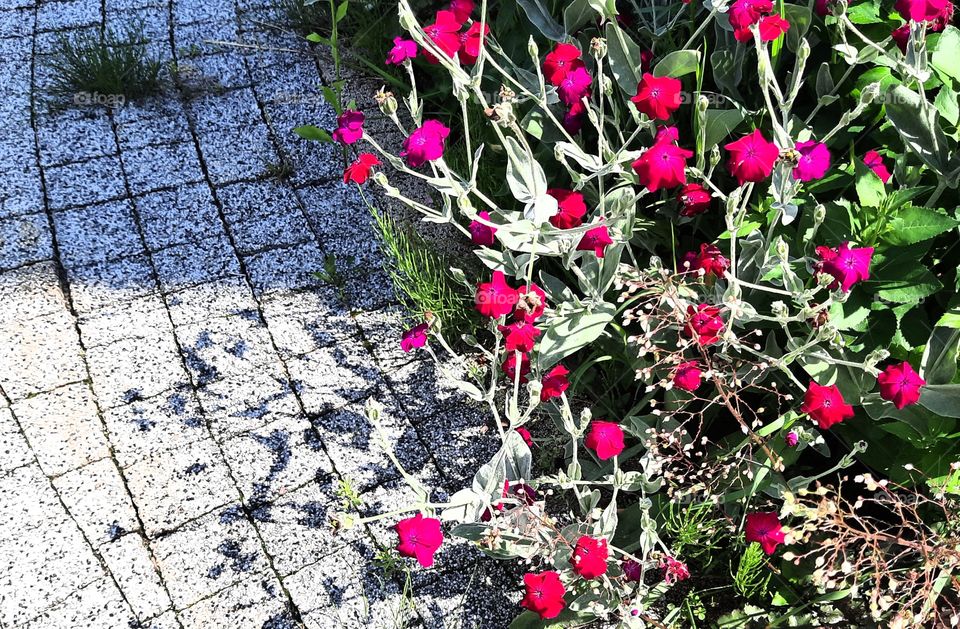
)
(745, 13)
(509, 367)
(414, 337)
(663, 165)
(470, 42)
(765, 528)
(525, 435)
(554, 383)
(847, 266)
(657, 97)
(710, 259)
(425, 144)
(874, 162)
(595, 240)
(694, 198)
(481, 234)
(674, 570)
(752, 157)
(560, 61)
(420, 537)
(572, 208)
(359, 171)
(772, 27)
(573, 119)
(688, 376)
(792, 438)
(531, 302)
(349, 127)
(402, 50)
(495, 298)
(900, 384)
(921, 10)
(461, 9)
(703, 324)
(605, 439)
(519, 336)
(574, 86)
(444, 33)
(814, 161)
(825, 405)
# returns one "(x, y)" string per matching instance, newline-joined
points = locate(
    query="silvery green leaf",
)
(916, 121)
(718, 123)
(678, 63)
(589, 162)
(518, 458)
(540, 16)
(589, 500)
(848, 52)
(607, 525)
(467, 505)
(939, 362)
(524, 175)
(568, 332)
(624, 57)
(541, 209)
(489, 479)
(497, 260)
(577, 13)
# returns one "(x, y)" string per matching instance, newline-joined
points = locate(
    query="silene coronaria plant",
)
(719, 287)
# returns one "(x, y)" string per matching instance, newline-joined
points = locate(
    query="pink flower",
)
(663, 164)
(461, 9)
(657, 97)
(875, 163)
(519, 336)
(525, 435)
(772, 27)
(544, 594)
(349, 127)
(402, 50)
(425, 144)
(921, 10)
(560, 61)
(752, 157)
(509, 367)
(605, 439)
(900, 384)
(703, 324)
(589, 558)
(482, 235)
(792, 438)
(531, 302)
(471, 41)
(646, 58)
(574, 86)
(596, 240)
(420, 537)
(554, 383)
(901, 35)
(444, 32)
(687, 376)
(847, 266)
(745, 13)
(572, 208)
(495, 298)
(710, 259)
(359, 171)
(825, 405)
(814, 161)
(674, 570)
(765, 527)
(694, 199)
(414, 337)
(821, 7)
(573, 119)
(632, 570)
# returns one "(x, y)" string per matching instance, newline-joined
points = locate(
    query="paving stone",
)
(18, 22)
(263, 215)
(469, 440)
(163, 166)
(105, 284)
(63, 428)
(381, 330)
(247, 400)
(423, 390)
(302, 322)
(55, 563)
(31, 346)
(355, 447)
(237, 154)
(129, 560)
(83, 183)
(97, 233)
(477, 597)
(97, 606)
(156, 128)
(176, 486)
(225, 346)
(134, 369)
(14, 451)
(232, 110)
(275, 459)
(371, 291)
(286, 269)
(194, 263)
(145, 428)
(188, 12)
(153, 19)
(30, 291)
(344, 225)
(167, 620)
(20, 190)
(96, 498)
(345, 589)
(24, 239)
(331, 378)
(299, 530)
(254, 602)
(75, 135)
(226, 297)
(198, 37)
(208, 555)
(136, 318)
(67, 14)
(182, 215)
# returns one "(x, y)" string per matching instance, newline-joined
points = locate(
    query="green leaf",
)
(341, 11)
(577, 13)
(624, 56)
(541, 18)
(939, 362)
(310, 132)
(946, 104)
(945, 53)
(865, 13)
(678, 63)
(718, 123)
(914, 224)
(317, 39)
(567, 618)
(942, 399)
(870, 190)
(825, 84)
(916, 122)
(571, 331)
(913, 284)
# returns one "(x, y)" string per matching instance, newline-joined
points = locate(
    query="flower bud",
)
(714, 155)
(534, 388)
(875, 357)
(819, 213)
(599, 47)
(702, 103)
(869, 93)
(803, 52)
(533, 49)
(387, 101)
(783, 249)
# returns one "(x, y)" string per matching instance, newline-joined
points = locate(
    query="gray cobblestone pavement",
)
(181, 397)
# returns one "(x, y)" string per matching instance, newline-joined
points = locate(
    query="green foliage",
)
(752, 576)
(348, 495)
(116, 63)
(695, 531)
(421, 276)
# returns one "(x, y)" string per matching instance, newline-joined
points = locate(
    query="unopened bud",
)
(783, 249)
(533, 49)
(869, 93)
(803, 52)
(387, 101)
(702, 103)
(819, 213)
(599, 47)
(714, 155)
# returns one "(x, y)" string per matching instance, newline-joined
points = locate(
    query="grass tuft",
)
(116, 65)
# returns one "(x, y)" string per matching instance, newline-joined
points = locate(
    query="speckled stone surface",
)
(181, 395)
